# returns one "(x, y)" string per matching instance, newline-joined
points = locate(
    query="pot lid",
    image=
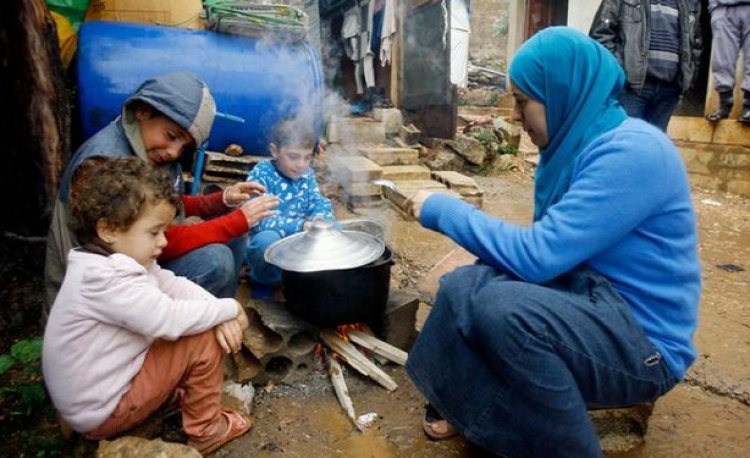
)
(324, 247)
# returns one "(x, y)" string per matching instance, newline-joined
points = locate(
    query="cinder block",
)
(391, 156)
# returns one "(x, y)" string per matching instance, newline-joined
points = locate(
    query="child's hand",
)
(229, 333)
(259, 208)
(241, 191)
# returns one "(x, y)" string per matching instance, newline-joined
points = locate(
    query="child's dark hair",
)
(116, 190)
(295, 132)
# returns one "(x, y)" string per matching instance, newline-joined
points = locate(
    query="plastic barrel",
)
(251, 78)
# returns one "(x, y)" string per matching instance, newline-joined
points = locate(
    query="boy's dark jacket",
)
(624, 27)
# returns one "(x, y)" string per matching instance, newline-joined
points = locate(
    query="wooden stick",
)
(339, 387)
(357, 360)
(377, 346)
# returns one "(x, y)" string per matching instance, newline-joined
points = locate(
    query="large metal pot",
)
(332, 276)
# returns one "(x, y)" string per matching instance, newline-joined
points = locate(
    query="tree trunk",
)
(34, 118)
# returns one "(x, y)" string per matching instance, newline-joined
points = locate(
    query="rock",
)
(505, 162)
(410, 135)
(511, 134)
(129, 446)
(470, 149)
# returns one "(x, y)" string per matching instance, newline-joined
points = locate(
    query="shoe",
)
(237, 425)
(435, 427)
(744, 115)
(725, 107)
(261, 291)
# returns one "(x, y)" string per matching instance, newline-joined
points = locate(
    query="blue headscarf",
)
(578, 81)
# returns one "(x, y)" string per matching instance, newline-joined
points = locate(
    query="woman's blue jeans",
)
(259, 271)
(514, 365)
(216, 267)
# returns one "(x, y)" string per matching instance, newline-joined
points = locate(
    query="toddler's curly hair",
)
(116, 190)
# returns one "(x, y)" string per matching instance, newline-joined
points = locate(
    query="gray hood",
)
(181, 97)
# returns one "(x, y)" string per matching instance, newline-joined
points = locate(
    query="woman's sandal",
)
(237, 425)
(435, 426)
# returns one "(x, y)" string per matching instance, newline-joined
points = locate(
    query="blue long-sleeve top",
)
(627, 214)
(300, 199)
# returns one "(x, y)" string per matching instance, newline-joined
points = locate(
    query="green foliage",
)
(23, 393)
(507, 149)
(485, 137)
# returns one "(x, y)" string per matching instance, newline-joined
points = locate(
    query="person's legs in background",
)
(215, 267)
(654, 103)
(726, 47)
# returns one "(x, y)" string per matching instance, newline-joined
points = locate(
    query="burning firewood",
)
(357, 360)
(378, 347)
(339, 387)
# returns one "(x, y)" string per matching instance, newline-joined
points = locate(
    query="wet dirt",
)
(706, 415)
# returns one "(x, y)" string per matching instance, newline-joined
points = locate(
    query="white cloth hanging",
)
(387, 32)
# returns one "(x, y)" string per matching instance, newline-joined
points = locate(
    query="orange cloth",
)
(188, 369)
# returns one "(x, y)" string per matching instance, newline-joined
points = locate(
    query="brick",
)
(406, 172)
(390, 155)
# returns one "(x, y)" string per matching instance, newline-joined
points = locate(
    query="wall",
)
(489, 31)
(581, 13)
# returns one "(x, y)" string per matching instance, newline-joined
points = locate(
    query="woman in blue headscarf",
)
(593, 304)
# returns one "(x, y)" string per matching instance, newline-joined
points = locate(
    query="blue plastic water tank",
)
(256, 80)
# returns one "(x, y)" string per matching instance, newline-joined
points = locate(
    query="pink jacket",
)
(108, 312)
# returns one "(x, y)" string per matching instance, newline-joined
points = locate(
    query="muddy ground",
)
(706, 416)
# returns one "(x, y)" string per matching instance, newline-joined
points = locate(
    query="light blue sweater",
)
(627, 214)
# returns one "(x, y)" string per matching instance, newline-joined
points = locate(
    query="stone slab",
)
(353, 169)
(390, 155)
(690, 129)
(354, 131)
(406, 189)
(456, 181)
(405, 172)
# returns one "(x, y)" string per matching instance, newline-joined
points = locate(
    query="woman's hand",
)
(259, 208)
(413, 206)
(241, 191)
(229, 333)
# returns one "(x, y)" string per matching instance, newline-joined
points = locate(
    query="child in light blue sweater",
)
(290, 177)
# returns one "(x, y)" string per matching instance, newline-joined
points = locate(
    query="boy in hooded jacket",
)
(166, 117)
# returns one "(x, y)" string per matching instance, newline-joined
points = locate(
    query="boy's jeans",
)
(259, 271)
(654, 104)
(514, 365)
(215, 267)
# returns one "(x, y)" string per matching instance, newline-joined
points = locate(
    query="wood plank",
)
(339, 387)
(378, 347)
(356, 359)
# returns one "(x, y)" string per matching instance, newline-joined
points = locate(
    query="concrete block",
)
(391, 155)
(362, 190)
(400, 318)
(352, 131)
(405, 172)
(410, 134)
(406, 189)
(731, 132)
(391, 118)
(353, 169)
(690, 129)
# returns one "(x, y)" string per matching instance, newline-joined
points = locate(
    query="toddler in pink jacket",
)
(126, 338)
